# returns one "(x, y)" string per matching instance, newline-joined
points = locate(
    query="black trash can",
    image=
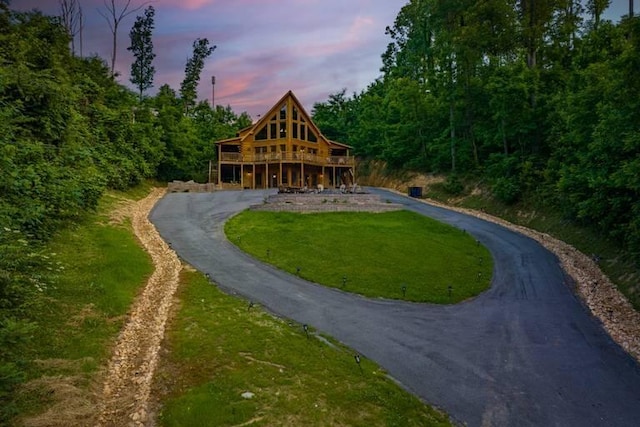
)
(415, 192)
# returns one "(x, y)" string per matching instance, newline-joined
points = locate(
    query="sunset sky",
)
(264, 47)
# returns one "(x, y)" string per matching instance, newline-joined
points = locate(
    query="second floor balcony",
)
(287, 157)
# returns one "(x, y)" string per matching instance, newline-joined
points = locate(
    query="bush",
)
(453, 185)
(506, 190)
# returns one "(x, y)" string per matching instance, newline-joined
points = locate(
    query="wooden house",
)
(284, 149)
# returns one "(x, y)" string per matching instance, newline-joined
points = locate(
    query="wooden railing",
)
(287, 157)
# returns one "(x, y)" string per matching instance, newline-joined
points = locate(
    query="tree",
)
(142, 70)
(193, 68)
(71, 14)
(596, 8)
(114, 17)
(334, 117)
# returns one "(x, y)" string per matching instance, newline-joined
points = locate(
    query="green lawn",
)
(99, 268)
(617, 263)
(373, 254)
(219, 349)
(216, 348)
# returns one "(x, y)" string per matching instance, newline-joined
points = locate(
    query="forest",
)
(538, 99)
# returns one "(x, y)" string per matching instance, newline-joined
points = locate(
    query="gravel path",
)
(526, 352)
(130, 373)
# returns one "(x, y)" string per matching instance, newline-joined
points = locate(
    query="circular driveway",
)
(526, 352)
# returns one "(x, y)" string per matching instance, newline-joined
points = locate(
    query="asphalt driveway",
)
(525, 352)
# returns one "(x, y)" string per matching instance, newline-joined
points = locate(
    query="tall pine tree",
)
(142, 69)
(192, 70)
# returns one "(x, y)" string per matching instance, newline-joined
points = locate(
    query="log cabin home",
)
(284, 149)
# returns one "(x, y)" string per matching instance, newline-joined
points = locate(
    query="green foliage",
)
(26, 273)
(453, 185)
(142, 70)
(192, 70)
(98, 267)
(376, 252)
(527, 96)
(68, 132)
(188, 140)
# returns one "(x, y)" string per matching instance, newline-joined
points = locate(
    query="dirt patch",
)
(71, 405)
(375, 174)
(127, 385)
(123, 210)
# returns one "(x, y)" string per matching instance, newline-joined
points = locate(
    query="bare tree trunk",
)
(630, 8)
(71, 16)
(453, 137)
(81, 28)
(504, 138)
(114, 17)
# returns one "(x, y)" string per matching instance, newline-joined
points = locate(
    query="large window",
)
(262, 134)
(312, 136)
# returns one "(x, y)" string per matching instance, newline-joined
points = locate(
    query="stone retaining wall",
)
(326, 203)
(190, 187)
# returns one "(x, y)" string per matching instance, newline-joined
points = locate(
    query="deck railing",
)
(286, 157)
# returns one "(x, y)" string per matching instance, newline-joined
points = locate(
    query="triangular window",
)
(262, 134)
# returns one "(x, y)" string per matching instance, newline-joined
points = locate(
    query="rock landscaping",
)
(325, 202)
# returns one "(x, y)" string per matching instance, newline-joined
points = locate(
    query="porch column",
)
(241, 175)
(280, 177)
(268, 180)
(302, 173)
(253, 177)
(219, 167)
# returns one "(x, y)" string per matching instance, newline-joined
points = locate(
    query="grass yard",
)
(615, 262)
(373, 254)
(99, 268)
(219, 349)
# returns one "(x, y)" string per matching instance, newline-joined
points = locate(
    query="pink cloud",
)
(265, 47)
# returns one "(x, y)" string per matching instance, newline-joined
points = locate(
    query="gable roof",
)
(250, 130)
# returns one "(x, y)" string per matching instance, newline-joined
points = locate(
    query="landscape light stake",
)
(344, 281)
(481, 260)
(357, 357)
(250, 306)
(306, 329)
(404, 291)
(268, 253)
(298, 271)
(449, 289)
